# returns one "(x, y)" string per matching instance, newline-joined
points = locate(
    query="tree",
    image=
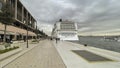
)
(6, 17)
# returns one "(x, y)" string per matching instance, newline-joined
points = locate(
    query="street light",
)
(36, 30)
(27, 33)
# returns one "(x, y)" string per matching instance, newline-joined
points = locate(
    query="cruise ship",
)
(65, 30)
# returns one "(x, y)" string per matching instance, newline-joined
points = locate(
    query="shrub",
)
(6, 50)
(7, 45)
(35, 40)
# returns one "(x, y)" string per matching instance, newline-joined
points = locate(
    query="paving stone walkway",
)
(83, 59)
(43, 56)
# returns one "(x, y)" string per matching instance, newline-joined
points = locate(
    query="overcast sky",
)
(92, 16)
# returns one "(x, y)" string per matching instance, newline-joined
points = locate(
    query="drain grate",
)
(91, 57)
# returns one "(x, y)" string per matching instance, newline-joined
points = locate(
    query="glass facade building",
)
(23, 21)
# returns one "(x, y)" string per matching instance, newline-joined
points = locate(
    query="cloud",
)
(84, 29)
(91, 15)
(47, 28)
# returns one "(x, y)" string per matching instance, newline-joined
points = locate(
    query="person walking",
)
(56, 40)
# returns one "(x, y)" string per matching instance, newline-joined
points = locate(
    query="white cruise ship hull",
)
(66, 35)
(69, 38)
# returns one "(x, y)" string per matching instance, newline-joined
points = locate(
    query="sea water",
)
(99, 42)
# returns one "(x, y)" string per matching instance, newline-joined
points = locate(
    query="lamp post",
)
(27, 33)
(27, 30)
(36, 30)
(27, 37)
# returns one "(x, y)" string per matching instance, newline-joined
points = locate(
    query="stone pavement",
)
(72, 60)
(12, 55)
(48, 54)
(42, 56)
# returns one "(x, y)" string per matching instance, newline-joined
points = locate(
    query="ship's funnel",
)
(60, 20)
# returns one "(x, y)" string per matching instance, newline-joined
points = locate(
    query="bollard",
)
(85, 45)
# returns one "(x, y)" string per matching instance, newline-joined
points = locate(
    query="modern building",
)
(65, 30)
(23, 21)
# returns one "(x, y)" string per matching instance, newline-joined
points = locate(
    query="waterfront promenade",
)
(44, 55)
(73, 60)
(49, 54)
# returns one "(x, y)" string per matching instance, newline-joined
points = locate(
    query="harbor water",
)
(99, 42)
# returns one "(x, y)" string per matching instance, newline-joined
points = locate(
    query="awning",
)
(8, 33)
(11, 30)
(1, 32)
(29, 34)
(11, 33)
